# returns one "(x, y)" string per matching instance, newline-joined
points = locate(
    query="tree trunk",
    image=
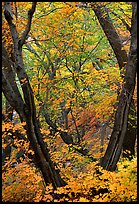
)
(122, 58)
(129, 142)
(26, 107)
(42, 154)
(118, 135)
(112, 35)
(9, 110)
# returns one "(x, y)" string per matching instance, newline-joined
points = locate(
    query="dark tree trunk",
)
(26, 108)
(129, 142)
(118, 135)
(122, 58)
(9, 110)
(112, 35)
(42, 154)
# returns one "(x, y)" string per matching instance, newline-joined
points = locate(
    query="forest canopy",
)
(69, 101)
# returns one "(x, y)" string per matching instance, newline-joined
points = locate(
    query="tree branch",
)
(7, 12)
(28, 26)
(8, 70)
(128, 27)
(16, 102)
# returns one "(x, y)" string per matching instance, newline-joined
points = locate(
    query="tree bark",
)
(26, 106)
(122, 58)
(129, 142)
(118, 135)
(112, 35)
(9, 110)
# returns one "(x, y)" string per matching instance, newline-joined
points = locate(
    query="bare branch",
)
(8, 12)
(28, 26)
(92, 50)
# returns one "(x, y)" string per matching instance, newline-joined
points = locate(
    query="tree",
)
(6, 39)
(106, 23)
(56, 54)
(118, 135)
(25, 105)
(74, 64)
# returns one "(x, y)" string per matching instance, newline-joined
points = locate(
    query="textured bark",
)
(129, 142)
(42, 155)
(9, 86)
(9, 110)
(122, 58)
(26, 107)
(12, 97)
(131, 133)
(118, 135)
(112, 35)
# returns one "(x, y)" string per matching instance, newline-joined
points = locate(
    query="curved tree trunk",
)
(26, 107)
(122, 58)
(112, 35)
(118, 135)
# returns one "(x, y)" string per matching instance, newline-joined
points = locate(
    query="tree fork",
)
(28, 106)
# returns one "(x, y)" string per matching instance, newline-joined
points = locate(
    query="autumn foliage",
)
(86, 181)
(76, 81)
(24, 183)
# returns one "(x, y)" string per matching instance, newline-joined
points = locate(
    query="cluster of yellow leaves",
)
(22, 184)
(6, 38)
(64, 30)
(10, 137)
(8, 126)
(120, 186)
(87, 186)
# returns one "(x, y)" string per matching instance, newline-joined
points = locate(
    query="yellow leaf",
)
(82, 199)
